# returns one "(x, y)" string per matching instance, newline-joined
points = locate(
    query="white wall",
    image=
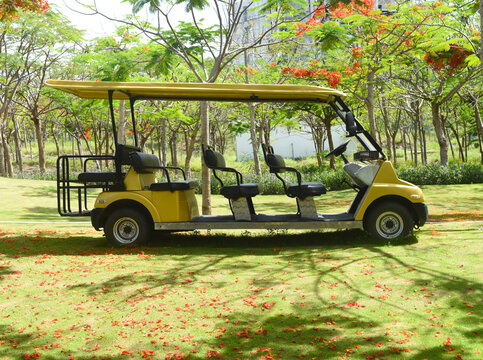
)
(291, 145)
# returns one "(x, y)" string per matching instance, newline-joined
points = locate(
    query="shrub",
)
(269, 184)
(334, 180)
(439, 175)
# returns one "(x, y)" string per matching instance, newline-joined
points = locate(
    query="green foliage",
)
(331, 35)
(439, 175)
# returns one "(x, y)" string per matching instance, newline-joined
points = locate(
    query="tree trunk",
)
(163, 143)
(405, 145)
(174, 151)
(6, 160)
(121, 125)
(254, 140)
(439, 130)
(190, 147)
(330, 139)
(385, 116)
(18, 144)
(56, 141)
(424, 144)
(370, 103)
(475, 103)
(2, 157)
(318, 148)
(205, 172)
(40, 142)
(458, 140)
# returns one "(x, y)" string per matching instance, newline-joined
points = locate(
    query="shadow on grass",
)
(43, 192)
(456, 216)
(324, 328)
(53, 242)
(49, 213)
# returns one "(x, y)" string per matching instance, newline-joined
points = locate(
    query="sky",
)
(93, 25)
(97, 25)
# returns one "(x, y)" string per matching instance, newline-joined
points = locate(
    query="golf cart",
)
(132, 202)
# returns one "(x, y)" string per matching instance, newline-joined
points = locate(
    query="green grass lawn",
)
(64, 293)
(36, 201)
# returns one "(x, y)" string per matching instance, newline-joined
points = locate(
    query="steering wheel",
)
(339, 150)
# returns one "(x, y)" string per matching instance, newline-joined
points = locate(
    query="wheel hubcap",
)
(389, 225)
(126, 230)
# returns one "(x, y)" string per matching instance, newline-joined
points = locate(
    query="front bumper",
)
(421, 214)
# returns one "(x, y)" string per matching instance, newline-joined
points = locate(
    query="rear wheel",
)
(127, 227)
(389, 220)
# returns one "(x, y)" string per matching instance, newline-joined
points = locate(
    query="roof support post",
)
(113, 120)
(131, 103)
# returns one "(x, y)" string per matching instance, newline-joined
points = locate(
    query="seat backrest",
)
(213, 159)
(144, 163)
(275, 162)
(122, 153)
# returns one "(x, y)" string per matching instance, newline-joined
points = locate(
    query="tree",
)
(10, 9)
(30, 46)
(433, 32)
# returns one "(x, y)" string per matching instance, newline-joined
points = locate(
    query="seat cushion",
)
(306, 189)
(97, 177)
(238, 191)
(174, 185)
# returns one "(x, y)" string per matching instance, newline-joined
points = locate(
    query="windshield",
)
(365, 142)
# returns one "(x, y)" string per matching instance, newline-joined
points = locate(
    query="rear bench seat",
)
(149, 163)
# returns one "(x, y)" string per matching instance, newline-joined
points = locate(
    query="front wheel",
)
(389, 220)
(127, 227)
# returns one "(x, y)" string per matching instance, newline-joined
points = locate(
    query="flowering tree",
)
(442, 64)
(9, 9)
(363, 42)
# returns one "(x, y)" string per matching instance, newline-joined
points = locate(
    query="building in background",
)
(291, 144)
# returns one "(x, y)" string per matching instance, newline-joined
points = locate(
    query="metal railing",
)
(73, 192)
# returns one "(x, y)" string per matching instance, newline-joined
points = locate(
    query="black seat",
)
(301, 190)
(149, 163)
(104, 177)
(174, 185)
(215, 161)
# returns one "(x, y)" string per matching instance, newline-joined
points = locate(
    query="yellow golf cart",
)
(132, 202)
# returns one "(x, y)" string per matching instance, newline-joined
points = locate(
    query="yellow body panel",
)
(164, 206)
(386, 183)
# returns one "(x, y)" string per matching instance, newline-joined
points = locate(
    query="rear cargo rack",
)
(75, 185)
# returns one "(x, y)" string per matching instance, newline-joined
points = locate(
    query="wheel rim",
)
(389, 225)
(126, 230)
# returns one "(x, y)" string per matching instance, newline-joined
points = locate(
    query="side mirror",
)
(350, 125)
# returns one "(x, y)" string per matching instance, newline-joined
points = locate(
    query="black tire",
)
(127, 227)
(389, 220)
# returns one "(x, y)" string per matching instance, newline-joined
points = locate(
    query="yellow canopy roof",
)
(197, 91)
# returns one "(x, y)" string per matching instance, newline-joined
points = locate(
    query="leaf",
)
(441, 47)
(330, 35)
(473, 60)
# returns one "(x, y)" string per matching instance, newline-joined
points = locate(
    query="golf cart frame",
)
(132, 202)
